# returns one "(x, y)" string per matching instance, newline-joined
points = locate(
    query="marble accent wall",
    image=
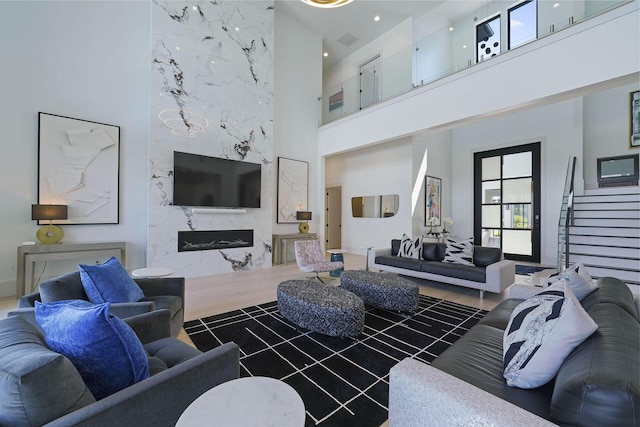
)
(211, 80)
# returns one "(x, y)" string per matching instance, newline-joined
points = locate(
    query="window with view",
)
(523, 23)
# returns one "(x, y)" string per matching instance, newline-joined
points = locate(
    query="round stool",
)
(321, 308)
(382, 290)
(151, 272)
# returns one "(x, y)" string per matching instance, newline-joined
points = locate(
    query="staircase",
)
(605, 235)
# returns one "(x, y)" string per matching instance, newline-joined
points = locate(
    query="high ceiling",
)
(355, 20)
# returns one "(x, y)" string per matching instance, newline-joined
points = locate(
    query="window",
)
(523, 23)
(488, 39)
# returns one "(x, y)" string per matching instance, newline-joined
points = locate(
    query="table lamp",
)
(49, 234)
(304, 216)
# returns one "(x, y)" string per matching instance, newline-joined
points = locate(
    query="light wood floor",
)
(209, 295)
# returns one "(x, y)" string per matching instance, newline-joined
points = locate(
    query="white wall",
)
(86, 60)
(297, 85)
(606, 128)
(436, 149)
(558, 127)
(379, 170)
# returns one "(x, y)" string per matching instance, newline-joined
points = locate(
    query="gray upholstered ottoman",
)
(382, 290)
(325, 309)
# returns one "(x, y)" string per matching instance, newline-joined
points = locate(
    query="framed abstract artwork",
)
(433, 201)
(293, 177)
(79, 166)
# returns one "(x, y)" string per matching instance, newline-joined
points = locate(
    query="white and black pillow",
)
(410, 248)
(541, 333)
(578, 278)
(459, 252)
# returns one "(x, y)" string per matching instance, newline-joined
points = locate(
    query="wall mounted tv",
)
(215, 182)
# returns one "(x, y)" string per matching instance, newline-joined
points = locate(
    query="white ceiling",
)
(356, 18)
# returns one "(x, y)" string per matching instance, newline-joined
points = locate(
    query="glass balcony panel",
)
(448, 50)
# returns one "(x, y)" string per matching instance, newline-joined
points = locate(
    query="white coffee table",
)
(151, 272)
(250, 401)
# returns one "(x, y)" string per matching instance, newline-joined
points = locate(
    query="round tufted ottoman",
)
(325, 309)
(382, 290)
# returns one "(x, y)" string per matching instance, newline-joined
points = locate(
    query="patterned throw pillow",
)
(579, 285)
(410, 248)
(541, 333)
(459, 252)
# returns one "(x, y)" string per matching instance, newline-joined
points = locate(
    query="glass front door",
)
(507, 195)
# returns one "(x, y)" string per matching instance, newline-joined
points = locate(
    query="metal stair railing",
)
(566, 216)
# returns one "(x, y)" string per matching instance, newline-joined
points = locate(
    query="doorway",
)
(507, 201)
(370, 82)
(333, 217)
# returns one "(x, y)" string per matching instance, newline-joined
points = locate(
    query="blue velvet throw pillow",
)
(109, 282)
(104, 349)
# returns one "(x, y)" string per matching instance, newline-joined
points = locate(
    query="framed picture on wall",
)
(433, 201)
(293, 177)
(78, 166)
(634, 119)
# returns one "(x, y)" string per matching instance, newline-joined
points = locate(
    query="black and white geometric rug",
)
(343, 382)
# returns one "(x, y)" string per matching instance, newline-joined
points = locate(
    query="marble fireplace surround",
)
(215, 59)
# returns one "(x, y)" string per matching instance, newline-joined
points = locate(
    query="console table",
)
(279, 245)
(28, 255)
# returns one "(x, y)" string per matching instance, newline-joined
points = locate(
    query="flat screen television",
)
(205, 181)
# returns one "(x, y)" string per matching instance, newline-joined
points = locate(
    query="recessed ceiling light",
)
(450, 28)
(177, 47)
(376, 18)
(237, 28)
(556, 5)
(195, 8)
(464, 46)
(325, 54)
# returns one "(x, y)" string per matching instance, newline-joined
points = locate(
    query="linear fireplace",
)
(214, 240)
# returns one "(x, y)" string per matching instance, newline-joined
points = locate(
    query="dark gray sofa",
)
(159, 294)
(597, 385)
(490, 273)
(41, 387)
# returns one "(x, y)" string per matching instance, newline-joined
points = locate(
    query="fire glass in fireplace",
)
(214, 239)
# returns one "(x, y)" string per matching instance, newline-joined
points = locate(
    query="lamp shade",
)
(303, 215)
(49, 212)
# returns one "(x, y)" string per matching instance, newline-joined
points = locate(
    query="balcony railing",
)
(448, 51)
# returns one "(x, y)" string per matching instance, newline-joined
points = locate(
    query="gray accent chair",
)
(41, 387)
(160, 293)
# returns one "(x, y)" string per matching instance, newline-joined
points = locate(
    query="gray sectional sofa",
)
(597, 385)
(41, 387)
(490, 272)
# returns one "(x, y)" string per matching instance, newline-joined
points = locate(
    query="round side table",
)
(151, 272)
(336, 255)
(248, 401)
